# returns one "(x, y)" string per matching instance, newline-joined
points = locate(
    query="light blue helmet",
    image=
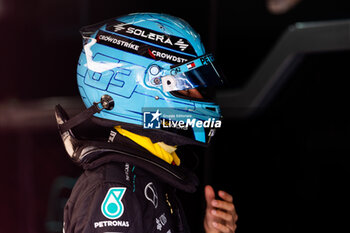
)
(145, 62)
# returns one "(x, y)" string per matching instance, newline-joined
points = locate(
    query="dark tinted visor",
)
(197, 73)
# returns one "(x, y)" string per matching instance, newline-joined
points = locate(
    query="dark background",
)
(287, 168)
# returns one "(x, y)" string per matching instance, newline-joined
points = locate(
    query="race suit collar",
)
(92, 152)
(159, 149)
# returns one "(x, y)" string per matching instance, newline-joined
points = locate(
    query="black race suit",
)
(129, 190)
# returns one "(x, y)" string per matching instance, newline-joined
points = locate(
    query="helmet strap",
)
(80, 118)
(105, 103)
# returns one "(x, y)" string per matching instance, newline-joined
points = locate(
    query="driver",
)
(139, 75)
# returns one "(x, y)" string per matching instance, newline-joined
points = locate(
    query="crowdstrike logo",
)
(168, 56)
(111, 39)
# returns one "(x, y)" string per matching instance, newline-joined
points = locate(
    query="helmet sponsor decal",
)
(195, 63)
(169, 41)
(139, 48)
(118, 42)
(112, 206)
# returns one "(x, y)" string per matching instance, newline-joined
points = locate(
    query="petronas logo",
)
(112, 206)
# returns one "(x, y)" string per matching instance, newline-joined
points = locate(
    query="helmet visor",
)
(200, 72)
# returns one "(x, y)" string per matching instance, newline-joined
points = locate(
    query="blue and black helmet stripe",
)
(140, 48)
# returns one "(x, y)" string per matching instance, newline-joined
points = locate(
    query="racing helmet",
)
(145, 63)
